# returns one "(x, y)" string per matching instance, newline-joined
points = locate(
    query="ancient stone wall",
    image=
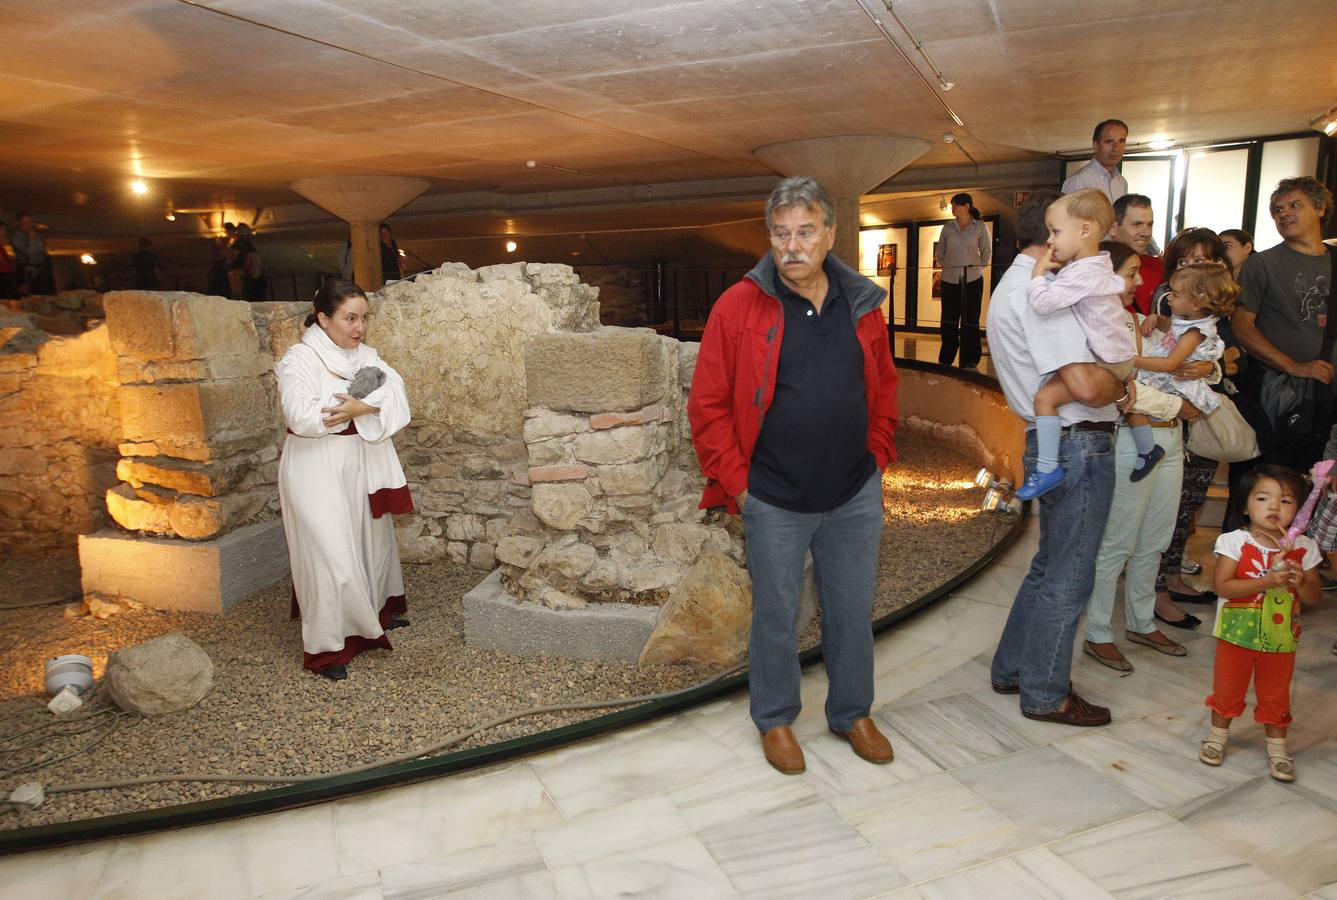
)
(61, 425)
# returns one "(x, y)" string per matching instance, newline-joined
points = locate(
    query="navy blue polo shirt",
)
(812, 454)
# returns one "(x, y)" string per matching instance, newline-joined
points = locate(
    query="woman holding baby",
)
(339, 477)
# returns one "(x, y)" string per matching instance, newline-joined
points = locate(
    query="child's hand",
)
(1045, 264)
(1152, 323)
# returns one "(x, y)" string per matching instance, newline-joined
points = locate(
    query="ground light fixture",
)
(998, 494)
(510, 246)
(67, 677)
(139, 187)
(88, 259)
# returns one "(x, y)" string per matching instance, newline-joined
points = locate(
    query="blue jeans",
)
(844, 544)
(1035, 650)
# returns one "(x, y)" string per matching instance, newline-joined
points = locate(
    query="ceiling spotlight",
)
(948, 137)
(530, 163)
(1326, 123)
(87, 259)
(1160, 143)
(171, 216)
(139, 187)
(946, 85)
(403, 254)
(510, 246)
(1330, 127)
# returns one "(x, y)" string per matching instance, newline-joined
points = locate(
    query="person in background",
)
(145, 264)
(9, 274)
(252, 266)
(1134, 222)
(1102, 172)
(31, 258)
(1238, 244)
(964, 249)
(389, 255)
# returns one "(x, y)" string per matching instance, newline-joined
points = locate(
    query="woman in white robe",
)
(338, 477)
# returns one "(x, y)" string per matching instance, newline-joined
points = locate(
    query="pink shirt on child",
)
(1095, 294)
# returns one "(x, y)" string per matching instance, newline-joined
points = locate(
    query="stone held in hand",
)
(366, 380)
(165, 675)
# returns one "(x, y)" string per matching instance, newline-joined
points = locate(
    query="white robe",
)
(345, 563)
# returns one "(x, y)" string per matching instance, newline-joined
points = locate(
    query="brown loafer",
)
(1074, 711)
(782, 750)
(868, 743)
(1005, 688)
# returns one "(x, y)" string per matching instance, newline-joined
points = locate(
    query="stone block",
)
(555, 452)
(543, 427)
(22, 461)
(559, 566)
(649, 414)
(615, 446)
(482, 556)
(608, 370)
(134, 371)
(629, 478)
(606, 632)
(561, 505)
(680, 542)
(179, 326)
(707, 618)
(201, 479)
(518, 550)
(200, 421)
(181, 515)
(687, 353)
(538, 474)
(203, 576)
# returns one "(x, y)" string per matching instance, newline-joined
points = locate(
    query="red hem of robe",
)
(356, 643)
(397, 501)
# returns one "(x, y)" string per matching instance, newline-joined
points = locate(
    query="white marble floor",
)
(980, 802)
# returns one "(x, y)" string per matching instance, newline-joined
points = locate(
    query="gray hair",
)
(800, 190)
(1311, 187)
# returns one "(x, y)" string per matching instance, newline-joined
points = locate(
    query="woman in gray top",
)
(964, 249)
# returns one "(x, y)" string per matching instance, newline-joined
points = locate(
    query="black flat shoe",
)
(1199, 597)
(1189, 621)
(397, 622)
(334, 673)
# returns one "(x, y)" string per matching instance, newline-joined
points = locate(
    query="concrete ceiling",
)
(225, 102)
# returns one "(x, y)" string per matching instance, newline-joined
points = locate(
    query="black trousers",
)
(961, 322)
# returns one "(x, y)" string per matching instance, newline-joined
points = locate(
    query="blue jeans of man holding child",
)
(1035, 650)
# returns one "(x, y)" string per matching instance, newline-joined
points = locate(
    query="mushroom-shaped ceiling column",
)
(847, 166)
(363, 201)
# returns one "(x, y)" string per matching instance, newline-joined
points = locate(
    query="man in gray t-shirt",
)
(1282, 312)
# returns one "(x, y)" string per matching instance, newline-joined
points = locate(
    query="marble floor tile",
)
(1316, 780)
(918, 673)
(964, 624)
(958, 730)
(894, 648)
(1155, 856)
(932, 826)
(611, 831)
(805, 852)
(627, 765)
(680, 867)
(465, 871)
(245, 858)
(62, 872)
(967, 678)
(727, 722)
(1035, 874)
(741, 790)
(366, 886)
(998, 584)
(434, 817)
(1160, 767)
(1049, 794)
(1328, 892)
(834, 770)
(1280, 832)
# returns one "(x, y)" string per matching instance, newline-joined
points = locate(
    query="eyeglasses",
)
(806, 236)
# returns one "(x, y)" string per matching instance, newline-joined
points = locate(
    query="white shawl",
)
(375, 429)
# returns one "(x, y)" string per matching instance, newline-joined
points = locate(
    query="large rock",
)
(201, 421)
(166, 675)
(561, 505)
(707, 618)
(609, 370)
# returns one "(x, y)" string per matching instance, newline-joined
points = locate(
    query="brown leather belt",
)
(1107, 427)
(1173, 423)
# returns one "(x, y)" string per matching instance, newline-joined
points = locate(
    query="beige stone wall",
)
(61, 426)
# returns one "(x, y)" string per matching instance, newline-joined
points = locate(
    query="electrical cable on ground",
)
(354, 770)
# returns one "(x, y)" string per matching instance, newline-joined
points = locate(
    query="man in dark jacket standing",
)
(793, 413)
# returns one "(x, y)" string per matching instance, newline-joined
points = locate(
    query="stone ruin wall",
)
(540, 440)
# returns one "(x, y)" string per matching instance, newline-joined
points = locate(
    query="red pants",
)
(1271, 674)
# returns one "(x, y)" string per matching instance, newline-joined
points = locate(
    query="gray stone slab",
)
(202, 576)
(604, 632)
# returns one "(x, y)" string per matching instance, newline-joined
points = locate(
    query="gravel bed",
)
(266, 715)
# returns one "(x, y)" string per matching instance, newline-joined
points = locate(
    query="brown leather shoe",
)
(1074, 711)
(782, 750)
(867, 741)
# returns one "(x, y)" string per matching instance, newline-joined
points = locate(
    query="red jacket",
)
(734, 381)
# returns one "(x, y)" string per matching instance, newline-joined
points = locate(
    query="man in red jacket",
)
(793, 413)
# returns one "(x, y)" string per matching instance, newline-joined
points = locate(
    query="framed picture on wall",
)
(886, 260)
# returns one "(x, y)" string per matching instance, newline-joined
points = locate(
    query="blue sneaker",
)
(1038, 483)
(1149, 459)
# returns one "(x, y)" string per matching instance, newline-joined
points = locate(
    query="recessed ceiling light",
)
(510, 246)
(87, 259)
(139, 187)
(1161, 144)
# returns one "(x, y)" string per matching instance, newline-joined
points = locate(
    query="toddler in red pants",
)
(1261, 581)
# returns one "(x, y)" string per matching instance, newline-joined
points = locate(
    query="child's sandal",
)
(1213, 752)
(1280, 766)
